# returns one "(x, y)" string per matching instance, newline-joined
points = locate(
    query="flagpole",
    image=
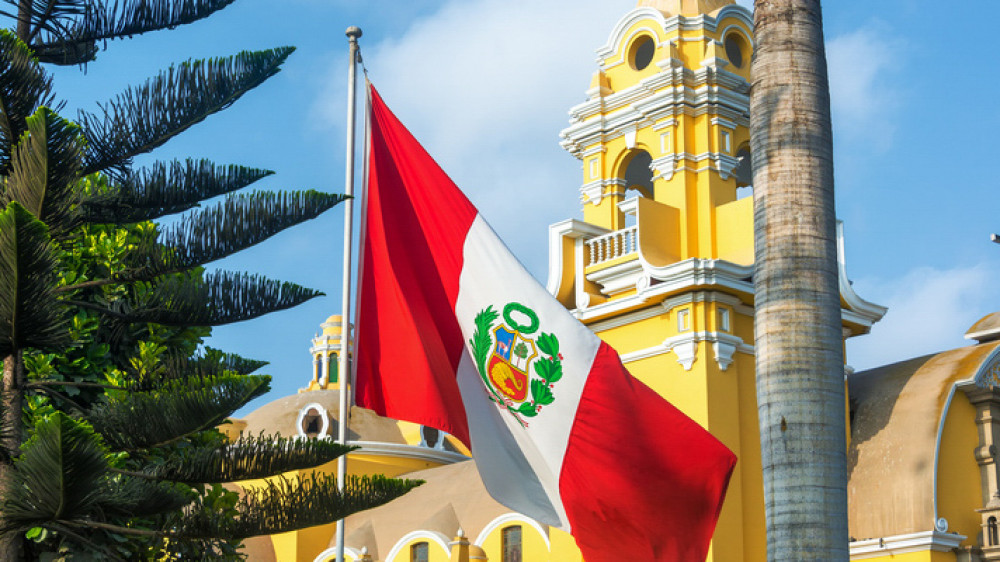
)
(353, 33)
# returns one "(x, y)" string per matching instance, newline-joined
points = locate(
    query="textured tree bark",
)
(11, 406)
(23, 23)
(799, 353)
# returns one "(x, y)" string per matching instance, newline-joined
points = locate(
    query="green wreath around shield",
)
(548, 368)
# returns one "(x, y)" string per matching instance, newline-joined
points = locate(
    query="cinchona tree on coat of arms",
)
(507, 357)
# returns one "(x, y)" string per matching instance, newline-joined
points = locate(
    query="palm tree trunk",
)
(799, 354)
(11, 408)
(23, 19)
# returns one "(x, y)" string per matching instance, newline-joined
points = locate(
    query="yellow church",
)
(660, 266)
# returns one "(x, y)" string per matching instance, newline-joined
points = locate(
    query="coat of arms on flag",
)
(506, 355)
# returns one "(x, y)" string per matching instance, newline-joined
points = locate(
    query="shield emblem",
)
(508, 364)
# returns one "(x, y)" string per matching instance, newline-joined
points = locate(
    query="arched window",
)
(419, 552)
(641, 53)
(334, 366)
(511, 539)
(639, 173)
(991, 532)
(431, 436)
(743, 172)
(314, 423)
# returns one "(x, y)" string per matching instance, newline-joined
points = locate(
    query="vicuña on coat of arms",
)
(519, 372)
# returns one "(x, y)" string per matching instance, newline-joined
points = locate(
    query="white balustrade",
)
(612, 245)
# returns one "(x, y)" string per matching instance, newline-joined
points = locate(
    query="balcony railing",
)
(612, 246)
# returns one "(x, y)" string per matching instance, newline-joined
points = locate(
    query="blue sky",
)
(485, 85)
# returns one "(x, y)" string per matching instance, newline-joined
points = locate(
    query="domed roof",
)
(896, 414)
(332, 325)
(282, 416)
(457, 488)
(986, 329)
(685, 7)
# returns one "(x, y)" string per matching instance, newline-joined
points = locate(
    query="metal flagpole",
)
(353, 33)
(362, 199)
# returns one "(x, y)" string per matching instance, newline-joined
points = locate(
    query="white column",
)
(326, 369)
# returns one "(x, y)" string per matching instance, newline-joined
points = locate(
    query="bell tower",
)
(661, 264)
(325, 352)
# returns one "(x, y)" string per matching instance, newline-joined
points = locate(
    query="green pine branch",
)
(205, 365)
(73, 33)
(284, 504)
(30, 315)
(60, 475)
(56, 17)
(44, 170)
(143, 118)
(24, 87)
(165, 189)
(241, 221)
(248, 458)
(132, 421)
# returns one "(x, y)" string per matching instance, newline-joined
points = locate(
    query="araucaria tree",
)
(798, 342)
(108, 409)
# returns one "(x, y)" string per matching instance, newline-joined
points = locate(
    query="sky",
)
(485, 85)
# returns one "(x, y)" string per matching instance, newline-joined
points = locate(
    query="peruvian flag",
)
(453, 333)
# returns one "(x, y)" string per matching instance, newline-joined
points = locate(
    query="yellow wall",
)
(959, 490)
(924, 556)
(533, 544)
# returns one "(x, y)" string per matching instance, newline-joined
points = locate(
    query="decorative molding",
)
(629, 133)
(508, 518)
(570, 228)
(381, 449)
(324, 429)
(431, 536)
(673, 279)
(626, 319)
(707, 296)
(664, 166)
(685, 347)
(595, 191)
(660, 125)
(988, 374)
(637, 106)
(935, 541)
(721, 122)
(724, 351)
(669, 26)
(617, 37)
(618, 278)
(330, 554)
(867, 312)
(686, 350)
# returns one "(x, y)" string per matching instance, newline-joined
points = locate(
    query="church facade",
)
(660, 266)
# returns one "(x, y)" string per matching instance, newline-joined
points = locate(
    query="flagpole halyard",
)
(353, 33)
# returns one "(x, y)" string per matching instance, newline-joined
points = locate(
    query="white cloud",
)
(929, 311)
(485, 86)
(862, 85)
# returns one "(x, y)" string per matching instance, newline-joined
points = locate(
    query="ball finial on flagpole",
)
(353, 32)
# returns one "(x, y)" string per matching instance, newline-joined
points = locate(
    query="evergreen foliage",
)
(108, 402)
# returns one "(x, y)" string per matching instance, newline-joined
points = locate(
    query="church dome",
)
(332, 325)
(295, 414)
(986, 329)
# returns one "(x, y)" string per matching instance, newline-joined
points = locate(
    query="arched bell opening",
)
(743, 172)
(637, 175)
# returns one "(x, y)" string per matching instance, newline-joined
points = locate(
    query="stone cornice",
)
(896, 545)
(398, 450)
(670, 25)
